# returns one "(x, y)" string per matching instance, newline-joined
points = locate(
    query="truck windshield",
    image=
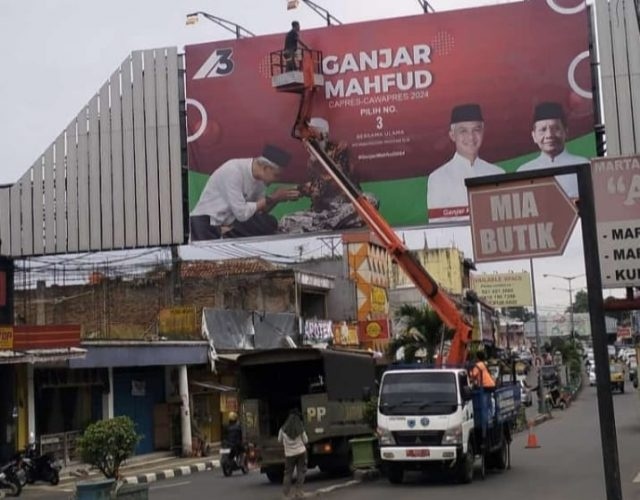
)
(419, 393)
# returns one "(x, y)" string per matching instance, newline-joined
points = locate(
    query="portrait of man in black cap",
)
(446, 191)
(549, 133)
(234, 203)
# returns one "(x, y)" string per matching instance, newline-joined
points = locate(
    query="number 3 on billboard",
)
(379, 123)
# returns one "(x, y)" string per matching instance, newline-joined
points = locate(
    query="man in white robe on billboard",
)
(446, 192)
(234, 202)
(549, 132)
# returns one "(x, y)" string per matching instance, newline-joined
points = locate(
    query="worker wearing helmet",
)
(234, 435)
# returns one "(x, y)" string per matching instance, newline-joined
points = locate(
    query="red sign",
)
(521, 219)
(27, 337)
(624, 332)
(375, 329)
(390, 87)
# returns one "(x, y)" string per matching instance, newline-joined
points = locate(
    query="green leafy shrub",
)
(107, 443)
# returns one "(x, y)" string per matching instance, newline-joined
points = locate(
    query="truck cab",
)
(432, 418)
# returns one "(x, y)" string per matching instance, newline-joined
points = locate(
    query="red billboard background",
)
(506, 58)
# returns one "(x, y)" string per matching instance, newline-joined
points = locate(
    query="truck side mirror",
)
(466, 393)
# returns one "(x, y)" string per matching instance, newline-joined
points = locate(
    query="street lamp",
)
(568, 279)
(234, 28)
(426, 6)
(318, 9)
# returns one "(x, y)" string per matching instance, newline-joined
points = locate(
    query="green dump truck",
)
(330, 387)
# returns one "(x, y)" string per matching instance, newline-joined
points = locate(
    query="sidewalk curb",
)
(185, 470)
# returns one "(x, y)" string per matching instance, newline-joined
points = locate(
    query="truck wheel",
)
(275, 475)
(465, 466)
(499, 458)
(395, 473)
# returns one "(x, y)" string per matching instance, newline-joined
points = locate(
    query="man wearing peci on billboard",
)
(550, 132)
(446, 191)
(234, 203)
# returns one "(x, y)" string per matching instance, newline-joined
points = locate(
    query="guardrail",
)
(63, 445)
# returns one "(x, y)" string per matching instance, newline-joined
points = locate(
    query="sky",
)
(58, 54)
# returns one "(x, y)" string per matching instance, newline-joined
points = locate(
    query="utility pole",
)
(538, 341)
(332, 243)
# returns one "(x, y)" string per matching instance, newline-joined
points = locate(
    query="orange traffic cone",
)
(532, 440)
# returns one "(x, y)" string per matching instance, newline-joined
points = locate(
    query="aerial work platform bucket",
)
(296, 72)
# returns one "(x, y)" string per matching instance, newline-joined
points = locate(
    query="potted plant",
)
(106, 444)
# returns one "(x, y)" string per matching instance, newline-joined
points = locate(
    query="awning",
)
(229, 357)
(35, 356)
(103, 354)
(214, 386)
(55, 355)
(12, 357)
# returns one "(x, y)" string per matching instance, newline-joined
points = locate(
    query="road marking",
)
(165, 486)
(637, 478)
(169, 474)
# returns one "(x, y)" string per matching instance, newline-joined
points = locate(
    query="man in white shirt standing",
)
(234, 203)
(446, 192)
(550, 132)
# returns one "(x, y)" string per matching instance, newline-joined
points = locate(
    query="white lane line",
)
(165, 486)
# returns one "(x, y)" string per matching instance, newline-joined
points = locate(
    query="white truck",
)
(431, 418)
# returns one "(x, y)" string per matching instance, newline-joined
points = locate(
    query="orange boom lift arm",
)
(438, 299)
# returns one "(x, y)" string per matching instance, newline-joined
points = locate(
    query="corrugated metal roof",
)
(207, 269)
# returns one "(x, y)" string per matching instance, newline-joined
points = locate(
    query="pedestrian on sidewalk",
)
(294, 439)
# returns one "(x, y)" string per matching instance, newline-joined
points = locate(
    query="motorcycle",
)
(18, 468)
(238, 462)
(557, 399)
(9, 481)
(41, 467)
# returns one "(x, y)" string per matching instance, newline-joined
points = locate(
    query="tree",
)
(105, 444)
(423, 330)
(580, 302)
(520, 313)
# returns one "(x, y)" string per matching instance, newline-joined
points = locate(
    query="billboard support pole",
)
(426, 6)
(598, 333)
(318, 9)
(230, 26)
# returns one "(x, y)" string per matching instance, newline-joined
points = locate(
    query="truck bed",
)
(507, 405)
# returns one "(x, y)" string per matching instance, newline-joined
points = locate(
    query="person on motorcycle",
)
(234, 435)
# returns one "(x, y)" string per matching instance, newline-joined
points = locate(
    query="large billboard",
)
(412, 106)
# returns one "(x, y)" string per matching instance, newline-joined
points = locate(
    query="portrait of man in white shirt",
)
(234, 202)
(446, 192)
(550, 133)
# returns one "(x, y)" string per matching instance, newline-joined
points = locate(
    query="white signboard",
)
(317, 330)
(616, 188)
(503, 289)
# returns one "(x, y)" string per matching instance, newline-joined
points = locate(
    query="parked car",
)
(526, 356)
(526, 397)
